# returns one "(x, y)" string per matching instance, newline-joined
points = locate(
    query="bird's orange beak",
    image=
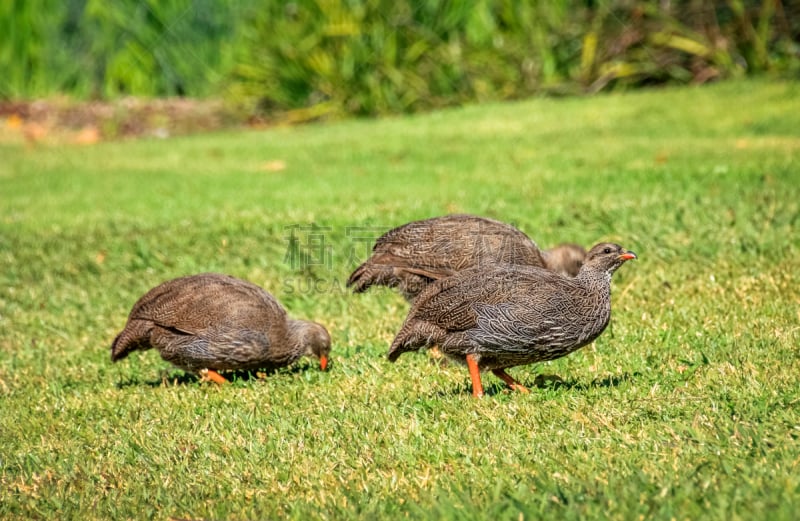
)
(628, 255)
(323, 363)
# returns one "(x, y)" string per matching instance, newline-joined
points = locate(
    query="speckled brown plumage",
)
(217, 322)
(502, 316)
(413, 255)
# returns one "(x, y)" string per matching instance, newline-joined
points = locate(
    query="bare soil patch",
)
(61, 120)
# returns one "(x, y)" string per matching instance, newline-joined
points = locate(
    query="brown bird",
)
(566, 258)
(211, 322)
(496, 317)
(412, 256)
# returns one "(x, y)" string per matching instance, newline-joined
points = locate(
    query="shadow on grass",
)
(176, 378)
(552, 382)
(578, 385)
(492, 387)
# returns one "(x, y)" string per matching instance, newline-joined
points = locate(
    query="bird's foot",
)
(510, 381)
(436, 356)
(519, 388)
(209, 375)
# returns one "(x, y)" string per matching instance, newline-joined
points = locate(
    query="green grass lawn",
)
(685, 408)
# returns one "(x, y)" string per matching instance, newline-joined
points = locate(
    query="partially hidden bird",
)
(566, 258)
(500, 316)
(211, 322)
(415, 254)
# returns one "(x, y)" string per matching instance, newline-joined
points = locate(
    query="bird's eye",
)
(607, 250)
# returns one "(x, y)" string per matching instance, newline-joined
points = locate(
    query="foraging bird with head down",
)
(212, 322)
(500, 316)
(414, 255)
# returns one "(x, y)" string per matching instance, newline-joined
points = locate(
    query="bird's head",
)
(607, 257)
(315, 340)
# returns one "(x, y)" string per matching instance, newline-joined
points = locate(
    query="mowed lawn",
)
(687, 407)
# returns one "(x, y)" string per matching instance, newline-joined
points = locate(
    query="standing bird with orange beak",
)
(210, 322)
(501, 316)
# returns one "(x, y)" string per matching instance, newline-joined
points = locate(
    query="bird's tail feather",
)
(414, 334)
(363, 277)
(136, 335)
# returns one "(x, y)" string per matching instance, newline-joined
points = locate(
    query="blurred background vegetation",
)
(308, 59)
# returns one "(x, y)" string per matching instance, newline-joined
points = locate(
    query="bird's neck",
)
(296, 336)
(597, 285)
(595, 280)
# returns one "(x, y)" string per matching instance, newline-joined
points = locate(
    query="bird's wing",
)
(554, 314)
(192, 305)
(452, 303)
(509, 325)
(438, 247)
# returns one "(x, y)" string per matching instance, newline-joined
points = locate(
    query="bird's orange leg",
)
(210, 374)
(475, 376)
(508, 379)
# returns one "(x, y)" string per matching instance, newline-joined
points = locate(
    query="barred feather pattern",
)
(412, 256)
(508, 315)
(214, 321)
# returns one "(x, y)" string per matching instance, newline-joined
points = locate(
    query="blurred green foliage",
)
(383, 56)
(106, 49)
(307, 59)
(315, 58)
